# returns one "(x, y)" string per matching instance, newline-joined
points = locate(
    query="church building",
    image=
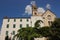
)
(10, 25)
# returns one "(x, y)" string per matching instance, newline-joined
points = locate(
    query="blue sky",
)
(16, 8)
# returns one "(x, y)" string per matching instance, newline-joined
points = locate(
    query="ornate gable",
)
(48, 17)
(49, 14)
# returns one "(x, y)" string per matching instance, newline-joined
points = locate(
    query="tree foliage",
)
(7, 38)
(56, 23)
(28, 33)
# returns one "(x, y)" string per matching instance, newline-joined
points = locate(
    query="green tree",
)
(44, 31)
(28, 33)
(52, 32)
(56, 23)
(55, 29)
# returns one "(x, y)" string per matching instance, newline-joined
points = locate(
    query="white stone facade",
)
(35, 18)
(17, 23)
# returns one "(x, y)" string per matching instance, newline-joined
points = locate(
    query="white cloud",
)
(40, 10)
(33, 2)
(48, 6)
(28, 9)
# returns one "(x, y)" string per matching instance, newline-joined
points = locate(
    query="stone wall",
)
(43, 38)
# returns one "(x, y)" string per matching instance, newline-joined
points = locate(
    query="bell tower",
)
(34, 8)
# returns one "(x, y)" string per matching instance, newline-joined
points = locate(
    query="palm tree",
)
(44, 31)
(28, 33)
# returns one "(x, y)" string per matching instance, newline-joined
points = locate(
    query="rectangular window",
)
(20, 25)
(13, 32)
(8, 20)
(27, 25)
(7, 25)
(27, 20)
(49, 23)
(14, 20)
(20, 20)
(14, 25)
(6, 32)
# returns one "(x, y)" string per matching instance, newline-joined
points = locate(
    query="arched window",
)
(38, 23)
(35, 13)
(49, 17)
